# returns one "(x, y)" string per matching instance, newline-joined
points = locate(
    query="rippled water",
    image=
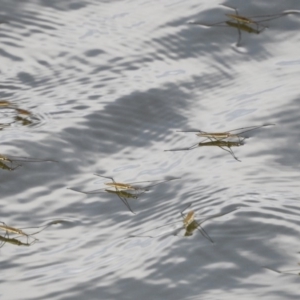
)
(107, 85)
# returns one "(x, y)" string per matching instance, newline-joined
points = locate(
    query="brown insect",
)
(242, 23)
(217, 139)
(226, 134)
(12, 159)
(120, 189)
(190, 224)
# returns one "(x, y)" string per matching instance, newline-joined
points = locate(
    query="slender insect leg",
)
(185, 149)
(2, 244)
(204, 233)
(146, 188)
(207, 25)
(105, 177)
(6, 232)
(185, 209)
(231, 152)
(154, 229)
(239, 37)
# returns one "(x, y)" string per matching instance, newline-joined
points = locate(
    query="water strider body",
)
(9, 229)
(226, 134)
(120, 188)
(243, 27)
(123, 194)
(190, 224)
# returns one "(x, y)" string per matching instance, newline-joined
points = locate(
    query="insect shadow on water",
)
(291, 272)
(217, 139)
(121, 189)
(13, 230)
(190, 224)
(242, 23)
(12, 159)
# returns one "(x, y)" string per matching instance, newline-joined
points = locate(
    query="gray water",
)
(107, 85)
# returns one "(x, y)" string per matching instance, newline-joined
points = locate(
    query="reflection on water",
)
(13, 241)
(117, 78)
(12, 115)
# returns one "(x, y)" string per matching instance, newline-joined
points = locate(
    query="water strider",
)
(12, 159)
(120, 189)
(226, 134)
(242, 23)
(190, 224)
(217, 139)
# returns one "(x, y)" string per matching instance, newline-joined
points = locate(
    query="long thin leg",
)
(208, 25)
(88, 192)
(217, 215)
(204, 233)
(189, 205)
(185, 149)
(274, 16)
(239, 36)
(167, 180)
(124, 200)
(29, 159)
(284, 272)
(231, 152)
(152, 230)
(250, 128)
(247, 129)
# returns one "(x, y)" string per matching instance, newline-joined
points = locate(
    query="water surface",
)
(109, 83)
